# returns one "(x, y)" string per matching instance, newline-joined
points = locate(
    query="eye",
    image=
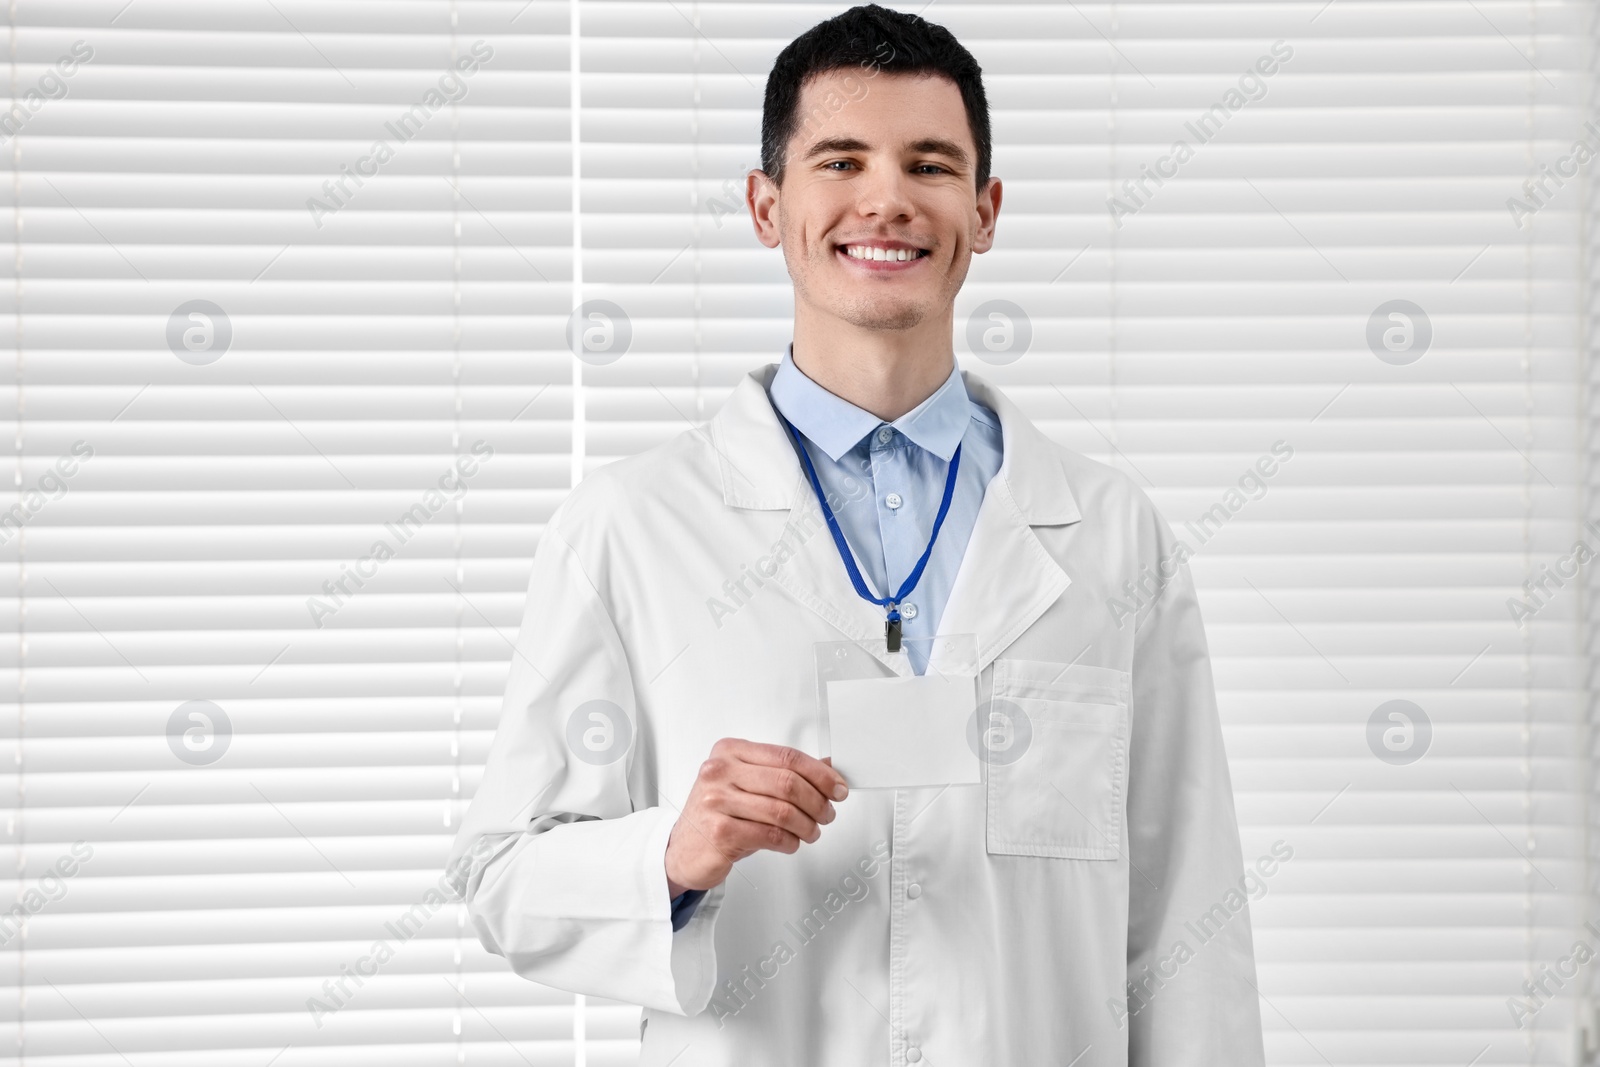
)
(828, 165)
(934, 166)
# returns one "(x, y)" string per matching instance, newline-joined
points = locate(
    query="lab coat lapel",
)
(815, 576)
(1007, 579)
(760, 471)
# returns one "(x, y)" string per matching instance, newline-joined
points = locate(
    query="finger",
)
(784, 784)
(738, 838)
(828, 782)
(770, 811)
(829, 761)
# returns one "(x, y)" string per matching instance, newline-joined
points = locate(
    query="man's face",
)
(882, 165)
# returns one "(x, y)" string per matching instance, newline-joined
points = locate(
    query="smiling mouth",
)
(875, 254)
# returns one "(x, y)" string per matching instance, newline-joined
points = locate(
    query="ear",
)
(988, 211)
(761, 194)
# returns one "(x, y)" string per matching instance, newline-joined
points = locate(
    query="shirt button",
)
(914, 890)
(908, 611)
(884, 434)
(913, 1054)
(893, 501)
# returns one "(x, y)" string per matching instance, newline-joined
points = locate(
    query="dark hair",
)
(869, 36)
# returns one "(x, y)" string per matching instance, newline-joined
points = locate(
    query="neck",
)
(886, 372)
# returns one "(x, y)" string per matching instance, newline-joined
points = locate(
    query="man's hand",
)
(748, 797)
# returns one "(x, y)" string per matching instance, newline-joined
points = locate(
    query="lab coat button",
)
(913, 1054)
(914, 890)
(893, 501)
(908, 611)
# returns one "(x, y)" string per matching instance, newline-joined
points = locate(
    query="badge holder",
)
(888, 727)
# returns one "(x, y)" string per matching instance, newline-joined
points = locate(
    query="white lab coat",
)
(992, 924)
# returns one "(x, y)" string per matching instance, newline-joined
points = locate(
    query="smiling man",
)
(658, 823)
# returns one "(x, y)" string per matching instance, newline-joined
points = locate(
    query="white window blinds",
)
(282, 266)
(291, 395)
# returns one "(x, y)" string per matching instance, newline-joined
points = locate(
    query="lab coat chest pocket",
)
(1057, 760)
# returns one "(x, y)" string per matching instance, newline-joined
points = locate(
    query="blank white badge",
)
(903, 732)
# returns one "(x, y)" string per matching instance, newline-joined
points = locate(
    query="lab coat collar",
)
(1030, 462)
(1007, 578)
(760, 470)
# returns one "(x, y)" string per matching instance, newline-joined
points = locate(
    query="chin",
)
(882, 315)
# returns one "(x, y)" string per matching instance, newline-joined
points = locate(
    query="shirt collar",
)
(836, 426)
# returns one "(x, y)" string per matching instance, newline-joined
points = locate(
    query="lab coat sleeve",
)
(1192, 999)
(561, 866)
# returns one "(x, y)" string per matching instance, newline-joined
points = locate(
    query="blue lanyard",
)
(892, 622)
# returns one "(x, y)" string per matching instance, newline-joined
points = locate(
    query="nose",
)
(884, 191)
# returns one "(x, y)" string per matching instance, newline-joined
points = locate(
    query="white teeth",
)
(899, 255)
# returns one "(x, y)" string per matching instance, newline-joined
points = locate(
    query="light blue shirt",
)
(891, 478)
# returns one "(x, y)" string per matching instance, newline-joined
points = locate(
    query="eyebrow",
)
(927, 145)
